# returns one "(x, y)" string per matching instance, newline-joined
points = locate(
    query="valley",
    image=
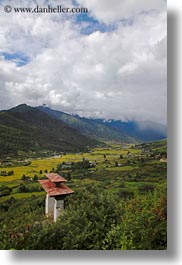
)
(133, 165)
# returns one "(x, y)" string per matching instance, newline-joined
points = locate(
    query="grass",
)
(22, 195)
(124, 168)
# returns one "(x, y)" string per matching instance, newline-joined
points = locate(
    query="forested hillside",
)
(93, 128)
(26, 129)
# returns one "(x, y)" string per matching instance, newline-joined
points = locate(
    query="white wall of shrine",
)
(53, 207)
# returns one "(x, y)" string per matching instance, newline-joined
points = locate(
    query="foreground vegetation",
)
(119, 201)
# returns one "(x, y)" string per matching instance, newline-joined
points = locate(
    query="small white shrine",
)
(56, 192)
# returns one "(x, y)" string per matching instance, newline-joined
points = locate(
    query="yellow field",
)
(29, 170)
(49, 163)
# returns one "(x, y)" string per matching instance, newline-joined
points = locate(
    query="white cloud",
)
(110, 11)
(119, 74)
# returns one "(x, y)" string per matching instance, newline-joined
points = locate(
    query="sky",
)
(110, 63)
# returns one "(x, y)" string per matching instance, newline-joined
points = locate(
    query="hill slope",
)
(28, 129)
(93, 128)
(129, 132)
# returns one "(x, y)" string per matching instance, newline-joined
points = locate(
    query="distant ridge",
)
(129, 132)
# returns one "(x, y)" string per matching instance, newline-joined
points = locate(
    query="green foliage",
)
(5, 191)
(35, 178)
(143, 224)
(92, 220)
(17, 216)
(28, 188)
(146, 188)
(125, 193)
(6, 173)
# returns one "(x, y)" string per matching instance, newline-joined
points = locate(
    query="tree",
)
(5, 191)
(35, 178)
(22, 188)
(24, 178)
(68, 176)
(10, 173)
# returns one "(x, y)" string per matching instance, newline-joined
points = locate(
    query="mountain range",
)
(25, 129)
(128, 132)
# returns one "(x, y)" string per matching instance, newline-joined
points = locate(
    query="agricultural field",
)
(111, 167)
(121, 173)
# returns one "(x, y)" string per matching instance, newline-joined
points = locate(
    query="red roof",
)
(54, 177)
(52, 190)
(50, 185)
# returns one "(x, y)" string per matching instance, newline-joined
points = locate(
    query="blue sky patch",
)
(19, 59)
(92, 24)
(89, 29)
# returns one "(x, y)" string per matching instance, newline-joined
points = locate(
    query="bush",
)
(125, 194)
(146, 188)
(5, 191)
(143, 225)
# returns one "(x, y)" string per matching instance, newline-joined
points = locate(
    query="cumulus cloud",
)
(111, 11)
(119, 73)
